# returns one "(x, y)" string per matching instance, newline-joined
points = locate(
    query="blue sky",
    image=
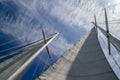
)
(24, 19)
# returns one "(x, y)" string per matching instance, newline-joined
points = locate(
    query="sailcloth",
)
(84, 61)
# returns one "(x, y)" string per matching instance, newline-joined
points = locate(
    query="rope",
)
(19, 47)
(14, 53)
(11, 41)
(111, 22)
(24, 44)
(111, 56)
(8, 42)
(20, 38)
(36, 66)
(113, 34)
(46, 62)
(26, 56)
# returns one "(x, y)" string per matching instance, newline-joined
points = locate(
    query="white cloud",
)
(71, 12)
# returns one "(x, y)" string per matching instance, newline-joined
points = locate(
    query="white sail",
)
(84, 61)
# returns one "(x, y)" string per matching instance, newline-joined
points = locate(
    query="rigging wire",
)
(36, 66)
(116, 20)
(13, 53)
(111, 22)
(26, 56)
(111, 56)
(112, 32)
(46, 63)
(18, 72)
(24, 45)
(19, 47)
(8, 42)
(11, 41)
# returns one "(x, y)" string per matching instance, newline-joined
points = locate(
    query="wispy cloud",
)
(33, 15)
(28, 25)
(72, 18)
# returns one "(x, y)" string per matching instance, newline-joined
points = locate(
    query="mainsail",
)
(84, 61)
